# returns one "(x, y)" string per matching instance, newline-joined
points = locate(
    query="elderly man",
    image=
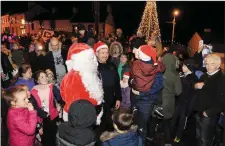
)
(55, 59)
(210, 100)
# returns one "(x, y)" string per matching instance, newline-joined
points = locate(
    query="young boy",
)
(125, 132)
(145, 68)
(188, 81)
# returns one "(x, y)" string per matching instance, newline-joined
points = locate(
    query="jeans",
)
(205, 129)
(144, 108)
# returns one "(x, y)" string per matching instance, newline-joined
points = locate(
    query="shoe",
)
(176, 140)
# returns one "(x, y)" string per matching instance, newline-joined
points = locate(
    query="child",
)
(144, 70)
(125, 90)
(125, 134)
(188, 81)
(78, 130)
(51, 78)
(21, 118)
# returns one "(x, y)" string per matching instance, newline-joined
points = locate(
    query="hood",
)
(170, 62)
(112, 48)
(82, 114)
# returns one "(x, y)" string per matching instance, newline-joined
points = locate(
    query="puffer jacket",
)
(21, 124)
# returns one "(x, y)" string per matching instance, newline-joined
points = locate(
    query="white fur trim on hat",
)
(102, 46)
(143, 57)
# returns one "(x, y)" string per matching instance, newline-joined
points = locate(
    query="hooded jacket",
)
(78, 130)
(172, 85)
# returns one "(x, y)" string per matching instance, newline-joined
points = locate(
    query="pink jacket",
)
(21, 125)
(53, 112)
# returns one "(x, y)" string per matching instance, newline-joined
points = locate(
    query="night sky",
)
(194, 16)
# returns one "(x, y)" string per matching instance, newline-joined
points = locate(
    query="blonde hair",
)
(214, 57)
(9, 96)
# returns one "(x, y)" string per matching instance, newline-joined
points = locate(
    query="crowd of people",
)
(83, 90)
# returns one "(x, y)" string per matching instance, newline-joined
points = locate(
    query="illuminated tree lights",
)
(149, 25)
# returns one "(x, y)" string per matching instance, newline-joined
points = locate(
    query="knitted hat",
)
(126, 75)
(190, 63)
(146, 53)
(99, 45)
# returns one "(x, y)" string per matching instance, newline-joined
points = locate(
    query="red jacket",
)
(53, 112)
(144, 74)
(21, 125)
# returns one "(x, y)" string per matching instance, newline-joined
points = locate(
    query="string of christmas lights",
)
(149, 25)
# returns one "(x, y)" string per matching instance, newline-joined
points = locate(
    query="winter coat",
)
(172, 85)
(126, 103)
(53, 112)
(143, 74)
(30, 83)
(78, 130)
(36, 62)
(17, 57)
(111, 83)
(211, 98)
(114, 138)
(21, 125)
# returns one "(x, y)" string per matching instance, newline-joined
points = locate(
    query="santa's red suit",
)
(81, 81)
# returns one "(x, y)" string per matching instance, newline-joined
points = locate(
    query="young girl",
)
(125, 91)
(45, 95)
(21, 118)
(25, 76)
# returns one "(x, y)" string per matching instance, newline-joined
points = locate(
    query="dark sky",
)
(194, 16)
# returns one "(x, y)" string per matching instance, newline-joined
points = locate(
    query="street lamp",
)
(175, 13)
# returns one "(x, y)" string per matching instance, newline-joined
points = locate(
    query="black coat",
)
(111, 83)
(211, 98)
(36, 62)
(49, 61)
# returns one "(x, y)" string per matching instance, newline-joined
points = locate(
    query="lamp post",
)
(175, 13)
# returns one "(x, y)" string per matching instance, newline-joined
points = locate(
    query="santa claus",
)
(81, 81)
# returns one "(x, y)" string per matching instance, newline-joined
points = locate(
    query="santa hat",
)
(99, 45)
(146, 53)
(75, 50)
(126, 75)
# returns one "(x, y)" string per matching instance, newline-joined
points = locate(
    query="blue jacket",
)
(116, 139)
(30, 83)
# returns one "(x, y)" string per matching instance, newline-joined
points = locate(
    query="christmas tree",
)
(149, 25)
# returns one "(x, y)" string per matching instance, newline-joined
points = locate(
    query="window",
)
(15, 20)
(12, 29)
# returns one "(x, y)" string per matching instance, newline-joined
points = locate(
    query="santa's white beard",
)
(123, 84)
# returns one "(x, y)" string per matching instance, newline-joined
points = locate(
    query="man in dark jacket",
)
(55, 59)
(210, 100)
(111, 86)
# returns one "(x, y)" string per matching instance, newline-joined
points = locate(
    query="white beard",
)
(123, 84)
(87, 66)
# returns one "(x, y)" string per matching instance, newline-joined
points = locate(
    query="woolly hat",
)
(126, 75)
(99, 45)
(190, 63)
(146, 53)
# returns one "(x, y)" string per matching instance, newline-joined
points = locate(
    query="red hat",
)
(146, 53)
(76, 50)
(99, 45)
(126, 75)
